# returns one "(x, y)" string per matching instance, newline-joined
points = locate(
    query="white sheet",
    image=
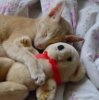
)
(83, 90)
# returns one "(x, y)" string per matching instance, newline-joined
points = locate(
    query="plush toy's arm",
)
(5, 65)
(17, 50)
(47, 91)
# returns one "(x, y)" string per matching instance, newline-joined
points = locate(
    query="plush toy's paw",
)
(44, 96)
(47, 91)
(47, 95)
(39, 76)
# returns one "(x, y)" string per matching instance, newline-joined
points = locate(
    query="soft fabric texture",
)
(88, 27)
(90, 54)
(15, 7)
(83, 90)
(87, 18)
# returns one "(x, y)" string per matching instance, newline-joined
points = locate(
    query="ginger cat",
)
(17, 33)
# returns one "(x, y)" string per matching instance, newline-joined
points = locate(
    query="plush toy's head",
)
(68, 61)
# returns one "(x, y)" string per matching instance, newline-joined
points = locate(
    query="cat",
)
(17, 33)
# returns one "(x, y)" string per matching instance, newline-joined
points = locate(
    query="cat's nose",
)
(60, 47)
(40, 46)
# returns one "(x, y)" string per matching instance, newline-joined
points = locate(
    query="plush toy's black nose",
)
(60, 47)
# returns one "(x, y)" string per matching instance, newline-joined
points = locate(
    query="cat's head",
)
(51, 28)
(68, 61)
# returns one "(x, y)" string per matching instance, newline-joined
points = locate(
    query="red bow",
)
(54, 66)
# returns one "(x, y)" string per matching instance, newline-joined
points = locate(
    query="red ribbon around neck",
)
(54, 66)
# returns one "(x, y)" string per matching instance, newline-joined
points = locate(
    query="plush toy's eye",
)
(69, 59)
(60, 47)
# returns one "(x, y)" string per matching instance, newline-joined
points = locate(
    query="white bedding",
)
(83, 90)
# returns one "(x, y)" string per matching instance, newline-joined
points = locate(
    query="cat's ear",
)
(73, 38)
(56, 12)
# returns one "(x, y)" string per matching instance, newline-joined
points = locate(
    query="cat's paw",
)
(25, 41)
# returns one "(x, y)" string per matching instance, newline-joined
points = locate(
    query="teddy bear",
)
(60, 62)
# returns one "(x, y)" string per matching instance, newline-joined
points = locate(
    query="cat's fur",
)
(16, 33)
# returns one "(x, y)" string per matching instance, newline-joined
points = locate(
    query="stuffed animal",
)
(60, 62)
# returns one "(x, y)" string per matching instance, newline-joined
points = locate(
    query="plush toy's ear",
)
(73, 38)
(56, 12)
(78, 75)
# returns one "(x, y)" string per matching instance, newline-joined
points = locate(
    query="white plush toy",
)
(60, 62)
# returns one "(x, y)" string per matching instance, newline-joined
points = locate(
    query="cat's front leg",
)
(47, 91)
(17, 50)
(27, 43)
